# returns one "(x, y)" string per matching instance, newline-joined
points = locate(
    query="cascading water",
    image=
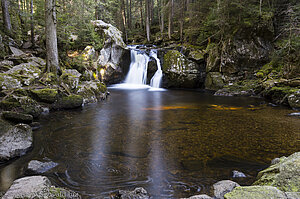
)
(137, 75)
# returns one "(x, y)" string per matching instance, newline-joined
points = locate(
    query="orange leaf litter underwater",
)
(213, 106)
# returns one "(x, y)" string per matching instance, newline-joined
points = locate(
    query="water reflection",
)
(7, 176)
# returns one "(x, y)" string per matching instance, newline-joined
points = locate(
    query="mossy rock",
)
(17, 117)
(214, 81)
(241, 88)
(284, 175)
(255, 192)
(69, 102)
(47, 95)
(8, 81)
(92, 91)
(279, 95)
(294, 100)
(197, 56)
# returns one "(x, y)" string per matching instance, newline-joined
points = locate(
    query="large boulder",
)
(28, 72)
(15, 140)
(71, 78)
(214, 81)
(47, 95)
(8, 81)
(180, 72)
(91, 91)
(255, 192)
(222, 187)
(38, 167)
(113, 52)
(17, 117)
(284, 175)
(37, 187)
(68, 102)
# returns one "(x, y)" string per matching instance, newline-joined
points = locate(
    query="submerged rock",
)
(37, 187)
(294, 100)
(255, 192)
(284, 175)
(137, 193)
(180, 72)
(17, 117)
(223, 187)
(38, 167)
(238, 174)
(14, 140)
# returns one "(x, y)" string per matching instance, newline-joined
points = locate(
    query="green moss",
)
(45, 95)
(102, 87)
(173, 58)
(197, 55)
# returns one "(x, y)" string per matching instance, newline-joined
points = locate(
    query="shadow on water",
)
(173, 143)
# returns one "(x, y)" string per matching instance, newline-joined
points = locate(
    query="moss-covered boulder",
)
(197, 56)
(27, 72)
(68, 102)
(37, 187)
(180, 72)
(17, 117)
(255, 192)
(91, 91)
(214, 58)
(214, 81)
(279, 94)
(8, 81)
(71, 78)
(5, 65)
(242, 88)
(294, 100)
(284, 175)
(47, 95)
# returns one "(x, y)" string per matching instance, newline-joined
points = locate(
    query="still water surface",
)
(174, 143)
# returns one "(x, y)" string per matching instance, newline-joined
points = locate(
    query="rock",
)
(214, 59)
(241, 88)
(8, 81)
(27, 71)
(5, 65)
(112, 54)
(255, 192)
(137, 193)
(282, 95)
(47, 95)
(89, 53)
(39, 61)
(15, 140)
(91, 91)
(275, 161)
(37, 187)
(16, 52)
(38, 167)
(17, 117)
(71, 78)
(197, 56)
(180, 72)
(151, 69)
(69, 102)
(294, 100)
(238, 174)
(214, 81)
(202, 196)
(284, 175)
(223, 187)
(294, 114)
(29, 106)
(292, 195)
(35, 125)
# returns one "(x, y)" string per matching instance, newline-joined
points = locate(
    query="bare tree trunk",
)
(130, 15)
(147, 9)
(51, 38)
(6, 16)
(96, 10)
(32, 24)
(124, 19)
(181, 21)
(171, 14)
(142, 19)
(260, 4)
(162, 20)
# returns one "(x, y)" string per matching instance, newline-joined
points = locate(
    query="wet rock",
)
(15, 140)
(202, 196)
(241, 88)
(180, 72)
(276, 160)
(255, 192)
(280, 95)
(238, 174)
(284, 175)
(71, 78)
(37, 187)
(69, 102)
(29, 106)
(92, 91)
(294, 114)
(197, 56)
(137, 193)
(214, 81)
(47, 95)
(294, 100)
(27, 71)
(222, 187)
(38, 167)
(214, 59)
(8, 81)
(151, 69)
(35, 125)
(17, 117)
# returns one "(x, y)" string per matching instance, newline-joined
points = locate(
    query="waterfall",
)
(156, 79)
(137, 75)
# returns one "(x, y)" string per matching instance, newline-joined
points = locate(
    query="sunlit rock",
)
(137, 193)
(38, 167)
(222, 187)
(255, 192)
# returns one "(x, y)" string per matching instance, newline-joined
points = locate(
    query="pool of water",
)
(174, 143)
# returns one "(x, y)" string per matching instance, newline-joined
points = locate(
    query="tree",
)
(171, 15)
(6, 16)
(147, 9)
(51, 37)
(32, 24)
